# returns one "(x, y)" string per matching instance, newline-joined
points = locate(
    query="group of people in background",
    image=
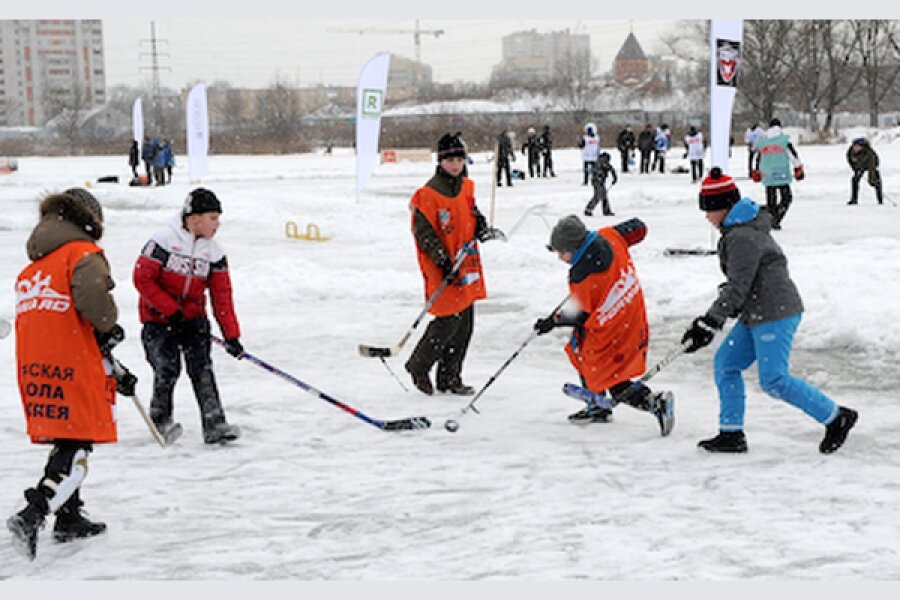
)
(158, 159)
(538, 150)
(597, 166)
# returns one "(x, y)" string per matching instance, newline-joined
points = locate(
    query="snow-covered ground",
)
(311, 493)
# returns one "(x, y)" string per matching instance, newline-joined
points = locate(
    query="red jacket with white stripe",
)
(173, 272)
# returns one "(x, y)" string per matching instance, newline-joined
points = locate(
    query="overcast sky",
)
(252, 53)
(251, 42)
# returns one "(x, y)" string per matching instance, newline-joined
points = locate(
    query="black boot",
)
(72, 524)
(25, 524)
(836, 431)
(456, 387)
(727, 441)
(220, 433)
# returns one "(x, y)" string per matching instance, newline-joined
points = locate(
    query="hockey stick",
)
(380, 351)
(396, 425)
(662, 364)
(117, 371)
(891, 200)
(651, 372)
(451, 425)
(525, 214)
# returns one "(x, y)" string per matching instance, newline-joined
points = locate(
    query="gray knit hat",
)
(568, 235)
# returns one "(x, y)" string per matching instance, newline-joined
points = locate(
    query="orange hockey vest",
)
(65, 390)
(454, 223)
(612, 345)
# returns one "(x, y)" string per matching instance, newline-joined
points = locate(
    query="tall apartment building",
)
(45, 61)
(529, 56)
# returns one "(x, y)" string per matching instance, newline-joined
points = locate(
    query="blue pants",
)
(769, 344)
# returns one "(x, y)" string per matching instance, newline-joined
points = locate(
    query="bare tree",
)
(767, 69)
(878, 62)
(837, 45)
(278, 112)
(571, 84)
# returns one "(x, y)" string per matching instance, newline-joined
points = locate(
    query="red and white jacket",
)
(174, 270)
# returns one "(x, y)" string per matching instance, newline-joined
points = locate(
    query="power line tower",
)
(154, 55)
(417, 32)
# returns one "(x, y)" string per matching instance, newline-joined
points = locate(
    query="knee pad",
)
(69, 483)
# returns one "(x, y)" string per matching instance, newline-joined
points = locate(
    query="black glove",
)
(125, 380)
(700, 333)
(234, 347)
(491, 233)
(109, 340)
(176, 321)
(542, 326)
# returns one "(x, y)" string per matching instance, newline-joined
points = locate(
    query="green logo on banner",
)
(372, 102)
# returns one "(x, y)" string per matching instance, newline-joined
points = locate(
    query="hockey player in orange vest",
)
(610, 334)
(444, 219)
(65, 328)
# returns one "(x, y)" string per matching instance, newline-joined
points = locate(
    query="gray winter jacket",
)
(758, 288)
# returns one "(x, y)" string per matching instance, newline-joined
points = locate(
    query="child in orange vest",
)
(610, 334)
(65, 328)
(444, 219)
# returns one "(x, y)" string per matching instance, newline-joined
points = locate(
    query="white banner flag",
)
(197, 120)
(725, 67)
(137, 121)
(370, 93)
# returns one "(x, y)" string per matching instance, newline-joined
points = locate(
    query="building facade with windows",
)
(532, 57)
(49, 64)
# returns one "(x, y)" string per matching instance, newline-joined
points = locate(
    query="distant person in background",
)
(134, 157)
(159, 162)
(662, 141)
(504, 154)
(694, 151)
(602, 169)
(645, 147)
(532, 150)
(546, 144)
(773, 168)
(148, 155)
(760, 293)
(625, 144)
(170, 160)
(590, 150)
(863, 160)
(751, 137)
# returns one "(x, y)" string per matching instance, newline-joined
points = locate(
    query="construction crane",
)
(418, 32)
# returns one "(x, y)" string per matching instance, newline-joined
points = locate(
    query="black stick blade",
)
(407, 424)
(375, 351)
